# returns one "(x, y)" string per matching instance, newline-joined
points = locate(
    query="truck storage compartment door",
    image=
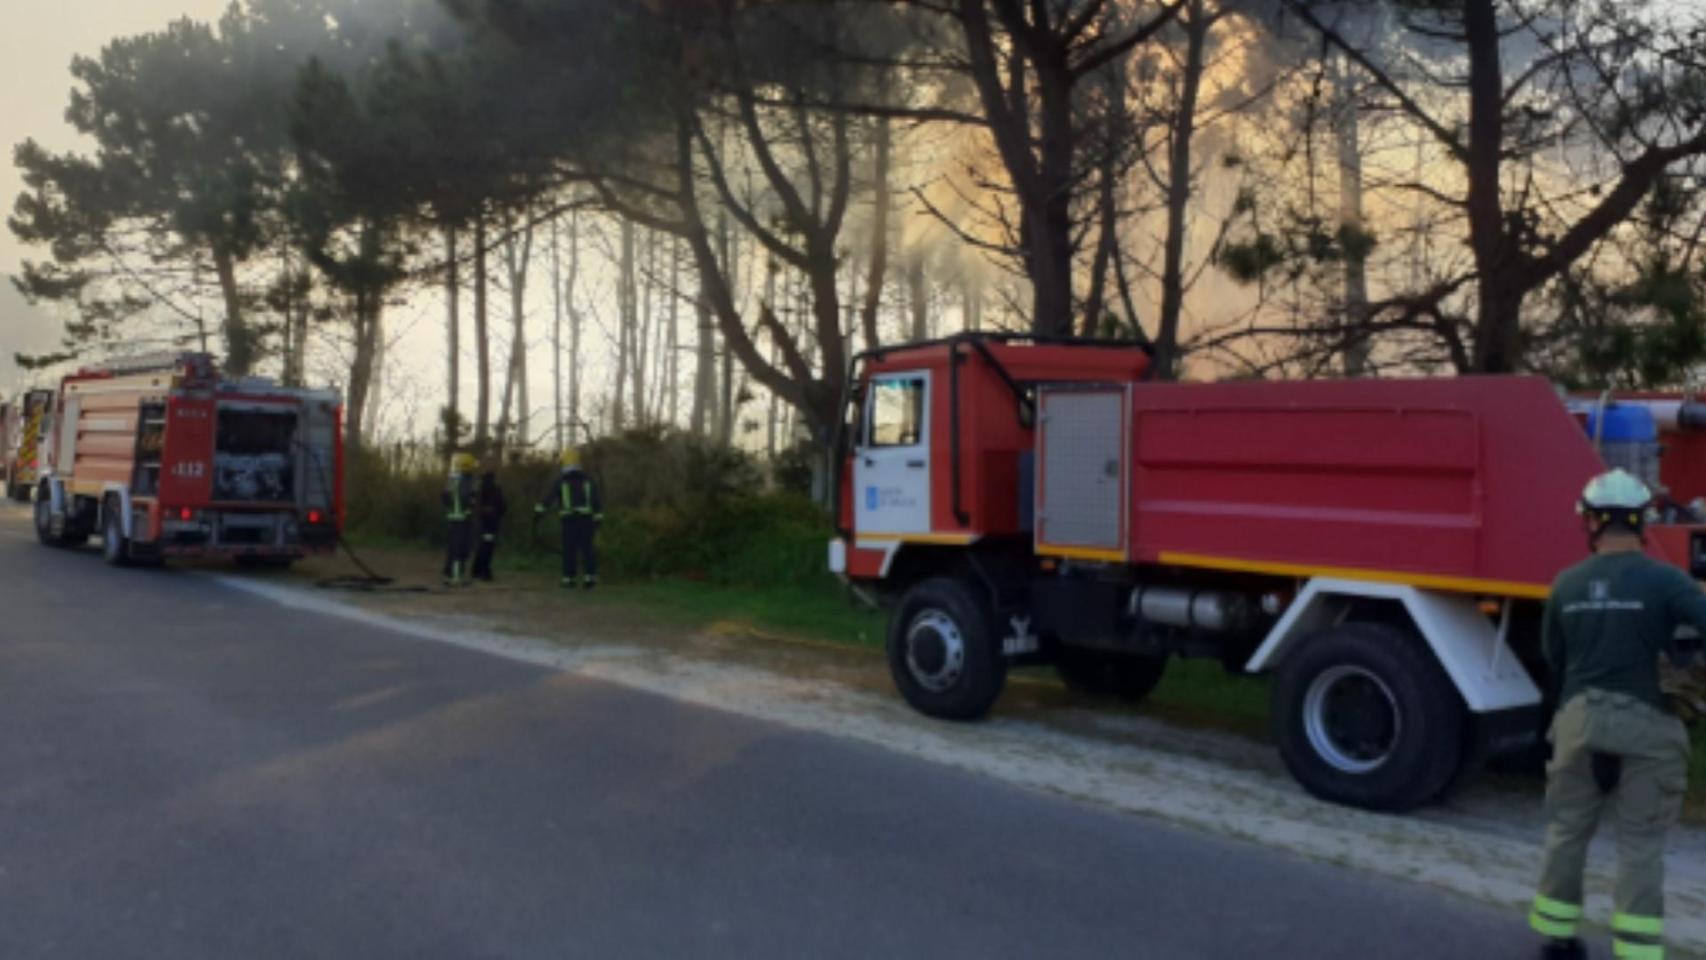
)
(318, 452)
(1082, 472)
(255, 449)
(891, 465)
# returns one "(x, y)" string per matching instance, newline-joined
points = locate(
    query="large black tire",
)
(44, 522)
(115, 546)
(1123, 676)
(1365, 716)
(943, 650)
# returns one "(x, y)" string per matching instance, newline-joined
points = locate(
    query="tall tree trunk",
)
(725, 419)
(626, 296)
(1050, 211)
(518, 253)
(643, 331)
(482, 342)
(376, 390)
(1352, 224)
(672, 375)
(917, 294)
(574, 330)
(453, 338)
(772, 268)
(1497, 323)
(239, 339)
(1197, 23)
(369, 306)
(360, 376)
(556, 335)
(882, 203)
(705, 370)
(1116, 131)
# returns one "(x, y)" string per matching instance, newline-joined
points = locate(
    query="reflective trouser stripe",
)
(1626, 950)
(1640, 926)
(1554, 918)
(1547, 927)
(1558, 909)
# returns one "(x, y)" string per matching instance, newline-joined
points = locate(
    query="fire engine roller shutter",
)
(1082, 453)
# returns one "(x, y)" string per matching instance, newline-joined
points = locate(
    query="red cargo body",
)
(1465, 484)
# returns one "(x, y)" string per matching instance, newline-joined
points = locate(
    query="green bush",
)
(675, 506)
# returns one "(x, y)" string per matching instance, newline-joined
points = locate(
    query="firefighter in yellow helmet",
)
(458, 499)
(580, 510)
(1617, 751)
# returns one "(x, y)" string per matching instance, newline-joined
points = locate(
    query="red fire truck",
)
(1381, 547)
(23, 424)
(161, 457)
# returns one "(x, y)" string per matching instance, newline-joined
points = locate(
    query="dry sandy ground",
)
(1484, 844)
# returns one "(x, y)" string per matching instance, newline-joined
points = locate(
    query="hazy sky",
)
(36, 47)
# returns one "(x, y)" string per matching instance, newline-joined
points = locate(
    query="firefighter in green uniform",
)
(458, 498)
(580, 508)
(1617, 752)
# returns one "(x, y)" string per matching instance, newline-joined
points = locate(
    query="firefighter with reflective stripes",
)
(575, 498)
(458, 498)
(1617, 751)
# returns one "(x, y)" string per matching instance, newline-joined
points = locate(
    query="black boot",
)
(1570, 949)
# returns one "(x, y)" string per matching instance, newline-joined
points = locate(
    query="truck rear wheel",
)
(1124, 676)
(44, 521)
(115, 546)
(1365, 716)
(943, 652)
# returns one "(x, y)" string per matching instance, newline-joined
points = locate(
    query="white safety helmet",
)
(1616, 496)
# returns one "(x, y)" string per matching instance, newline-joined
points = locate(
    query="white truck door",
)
(891, 465)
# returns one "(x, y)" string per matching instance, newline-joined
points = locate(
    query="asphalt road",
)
(190, 772)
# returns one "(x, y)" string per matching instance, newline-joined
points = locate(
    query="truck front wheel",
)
(1365, 716)
(943, 652)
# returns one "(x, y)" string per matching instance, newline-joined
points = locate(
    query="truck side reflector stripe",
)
(950, 539)
(1536, 591)
(1082, 553)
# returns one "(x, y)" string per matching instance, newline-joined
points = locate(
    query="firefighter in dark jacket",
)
(1619, 751)
(489, 509)
(458, 498)
(575, 498)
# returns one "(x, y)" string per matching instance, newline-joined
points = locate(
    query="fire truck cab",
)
(161, 457)
(1382, 548)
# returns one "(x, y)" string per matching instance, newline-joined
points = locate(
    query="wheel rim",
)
(113, 540)
(1351, 718)
(935, 651)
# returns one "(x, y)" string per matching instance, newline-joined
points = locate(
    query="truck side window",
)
(897, 413)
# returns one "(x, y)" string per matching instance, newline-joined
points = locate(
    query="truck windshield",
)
(252, 456)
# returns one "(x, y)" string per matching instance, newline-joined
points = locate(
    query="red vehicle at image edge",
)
(1383, 548)
(161, 457)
